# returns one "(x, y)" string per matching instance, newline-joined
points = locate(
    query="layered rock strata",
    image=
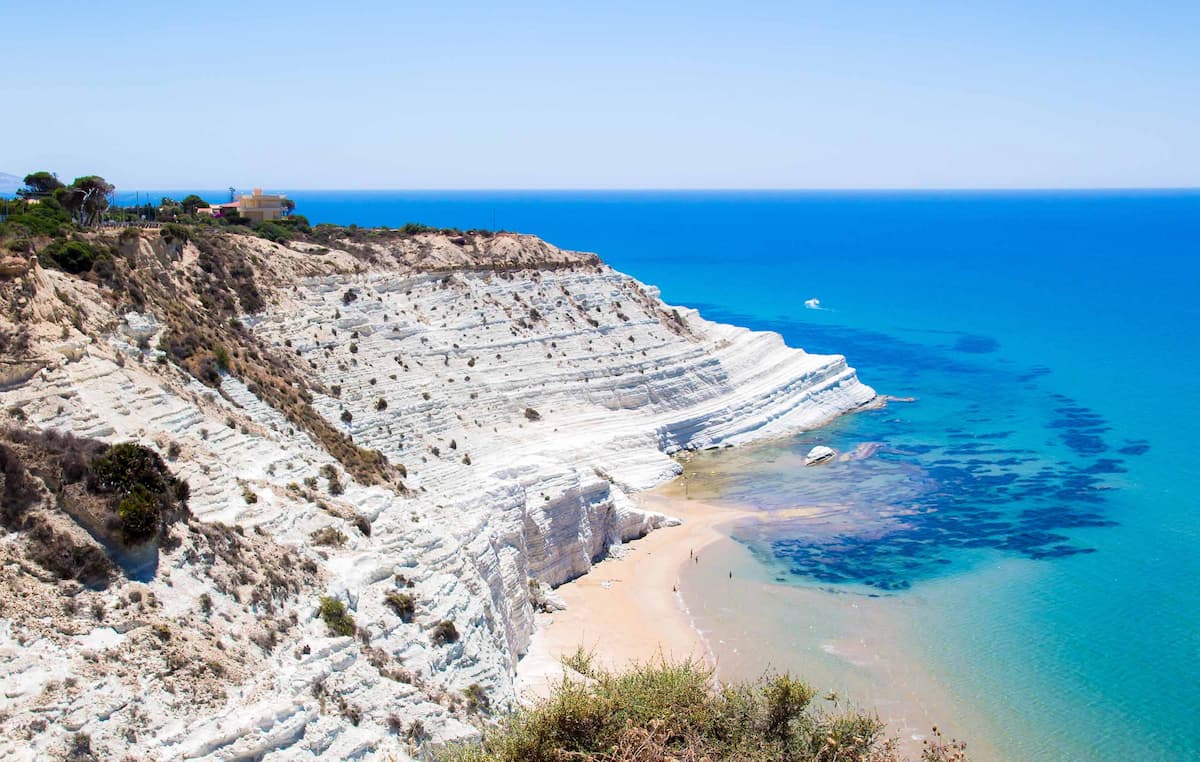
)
(525, 392)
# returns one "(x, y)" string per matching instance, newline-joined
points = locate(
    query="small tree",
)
(193, 202)
(40, 185)
(86, 198)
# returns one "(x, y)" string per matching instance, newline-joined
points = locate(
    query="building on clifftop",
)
(260, 207)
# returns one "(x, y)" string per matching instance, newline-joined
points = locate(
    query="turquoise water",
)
(1042, 487)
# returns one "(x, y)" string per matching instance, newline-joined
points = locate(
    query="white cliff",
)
(526, 391)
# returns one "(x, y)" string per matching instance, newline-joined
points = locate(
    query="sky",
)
(693, 94)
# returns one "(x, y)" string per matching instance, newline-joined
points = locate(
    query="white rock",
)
(819, 454)
(496, 496)
(139, 327)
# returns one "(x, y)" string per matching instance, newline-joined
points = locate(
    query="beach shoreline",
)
(628, 609)
(636, 605)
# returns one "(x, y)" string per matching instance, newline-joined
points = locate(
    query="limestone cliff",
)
(439, 417)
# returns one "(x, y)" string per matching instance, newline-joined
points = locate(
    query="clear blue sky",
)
(604, 94)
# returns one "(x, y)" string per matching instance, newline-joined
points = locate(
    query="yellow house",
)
(259, 207)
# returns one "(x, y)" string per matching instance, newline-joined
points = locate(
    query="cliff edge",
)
(397, 434)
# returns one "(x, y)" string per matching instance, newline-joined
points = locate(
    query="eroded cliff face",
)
(447, 418)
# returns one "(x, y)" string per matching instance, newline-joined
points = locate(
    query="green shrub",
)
(786, 700)
(124, 467)
(273, 231)
(172, 232)
(46, 218)
(139, 515)
(146, 490)
(74, 257)
(668, 710)
(581, 661)
(402, 604)
(412, 228)
(104, 267)
(296, 222)
(477, 699)
(333, 612)
(221, 356)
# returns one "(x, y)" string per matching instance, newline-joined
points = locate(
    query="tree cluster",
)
(85, 200)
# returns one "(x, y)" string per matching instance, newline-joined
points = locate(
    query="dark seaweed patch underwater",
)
(988, 460)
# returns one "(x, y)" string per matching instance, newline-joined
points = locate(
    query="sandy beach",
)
(630, 608)
(627, 608)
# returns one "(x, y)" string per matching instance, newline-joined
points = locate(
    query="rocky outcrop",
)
(819, 454)
(525, 392)
(11, 267)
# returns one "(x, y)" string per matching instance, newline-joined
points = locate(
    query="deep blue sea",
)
(1050, 342)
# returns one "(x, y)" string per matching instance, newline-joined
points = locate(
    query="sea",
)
(1010, 548)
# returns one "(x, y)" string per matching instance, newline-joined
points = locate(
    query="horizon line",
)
(714, 189)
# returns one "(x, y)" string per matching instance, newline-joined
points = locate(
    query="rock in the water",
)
(819, 454)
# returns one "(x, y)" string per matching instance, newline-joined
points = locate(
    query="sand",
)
(627, 609)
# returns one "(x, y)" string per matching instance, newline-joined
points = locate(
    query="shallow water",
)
(995, 537)
(863, 650)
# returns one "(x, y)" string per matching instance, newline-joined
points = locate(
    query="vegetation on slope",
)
(663, 711)
(122, 494)
(138, 482)
(202, 298)
(200, 301)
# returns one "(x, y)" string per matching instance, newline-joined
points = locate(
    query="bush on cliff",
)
(444, 632)
(402, 604)
(138, 512)
(125, 490)
(273, 231)
(333, 613)
(670, 711)
(74, 257)
(145, 490)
